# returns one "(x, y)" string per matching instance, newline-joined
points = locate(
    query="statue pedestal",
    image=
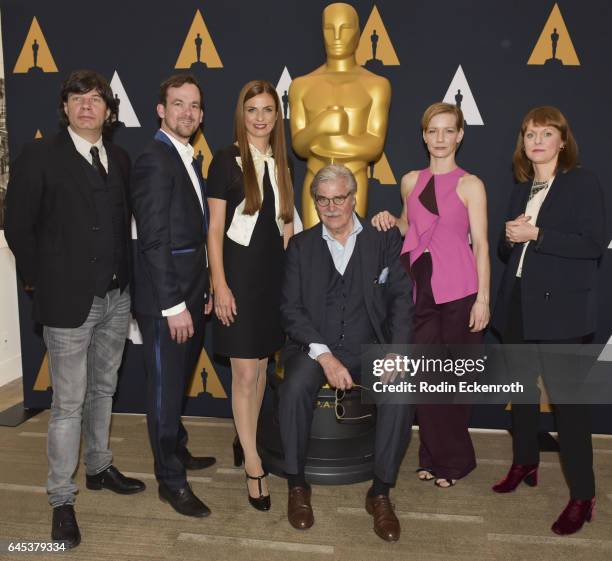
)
(553, 62)
(338, 453)
(374, 65)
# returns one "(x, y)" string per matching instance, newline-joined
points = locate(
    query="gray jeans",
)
(83, 364)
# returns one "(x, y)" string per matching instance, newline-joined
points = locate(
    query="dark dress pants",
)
(572, 420)
(169, 366)
(304, 378)
(446, 446)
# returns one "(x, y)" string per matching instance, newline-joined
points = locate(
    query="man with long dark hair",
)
(67, 224)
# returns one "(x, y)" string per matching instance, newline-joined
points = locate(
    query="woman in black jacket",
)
(553, 239)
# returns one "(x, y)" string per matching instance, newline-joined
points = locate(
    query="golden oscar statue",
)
(339, 112)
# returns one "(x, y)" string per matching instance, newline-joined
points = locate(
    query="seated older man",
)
(343, 287)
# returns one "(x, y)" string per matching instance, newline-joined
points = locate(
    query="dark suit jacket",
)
(50, 224)
(559, 277)
(388, 305)
(170, 259)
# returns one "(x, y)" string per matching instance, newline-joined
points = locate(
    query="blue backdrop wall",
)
(499, 54)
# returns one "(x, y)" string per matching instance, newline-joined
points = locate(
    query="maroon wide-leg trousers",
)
(446, 447)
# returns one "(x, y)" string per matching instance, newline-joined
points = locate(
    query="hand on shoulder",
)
(384, 221)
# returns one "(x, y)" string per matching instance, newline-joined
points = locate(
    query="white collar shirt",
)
(341, 254)
(186, 152)
(83, 147)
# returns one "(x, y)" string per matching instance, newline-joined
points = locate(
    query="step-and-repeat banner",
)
(494, 59)
(4, 153)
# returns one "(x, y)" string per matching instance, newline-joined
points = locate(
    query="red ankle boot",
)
(516, 474)
(573, 516)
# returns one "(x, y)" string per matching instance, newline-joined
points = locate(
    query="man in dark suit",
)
(360, 294)
(171, 282)
(67, 224)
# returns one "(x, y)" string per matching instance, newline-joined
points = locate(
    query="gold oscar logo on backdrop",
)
(381, 171)
(202, 152)
(43, 380)
(198, 49)
(205, 379)
(375, 47)
(554, 47)
(35, 56)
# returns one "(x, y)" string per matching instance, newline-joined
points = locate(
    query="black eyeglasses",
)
(338, 201)
(340, 410)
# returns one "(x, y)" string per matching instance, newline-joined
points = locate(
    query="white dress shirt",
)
(186, 152)
(341, 255)
(83, 147)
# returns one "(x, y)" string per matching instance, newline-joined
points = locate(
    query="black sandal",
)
(451, 482)
(431, 475)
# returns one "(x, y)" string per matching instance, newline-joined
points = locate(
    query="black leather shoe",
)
(183, 501)
(64, 527)
(111, 478)
(196, 462)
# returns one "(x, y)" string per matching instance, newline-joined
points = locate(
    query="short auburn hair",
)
(439, 108)
(545, 116)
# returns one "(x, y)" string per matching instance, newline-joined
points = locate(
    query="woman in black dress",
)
(251, 220)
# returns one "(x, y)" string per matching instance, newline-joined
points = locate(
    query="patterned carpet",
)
(467, 522)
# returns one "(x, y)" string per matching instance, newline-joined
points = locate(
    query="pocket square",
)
(384, 275)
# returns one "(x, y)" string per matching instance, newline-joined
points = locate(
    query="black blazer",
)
(50, 222)
(388, 305)
(559, 276)
(170, 257)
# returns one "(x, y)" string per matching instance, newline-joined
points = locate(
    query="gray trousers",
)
(303, 379)
(83, 364)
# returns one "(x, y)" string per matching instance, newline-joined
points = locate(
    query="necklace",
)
(536, 187)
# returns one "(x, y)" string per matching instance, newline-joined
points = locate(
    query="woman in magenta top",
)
(444, 208)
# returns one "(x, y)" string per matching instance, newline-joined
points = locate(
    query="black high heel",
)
(238, 452)
(262, 502)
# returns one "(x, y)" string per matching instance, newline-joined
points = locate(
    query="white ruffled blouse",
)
(242, 225)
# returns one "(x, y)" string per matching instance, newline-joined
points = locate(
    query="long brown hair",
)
(252, 194)
(545, 116)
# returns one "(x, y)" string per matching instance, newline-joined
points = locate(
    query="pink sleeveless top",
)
(445, 235)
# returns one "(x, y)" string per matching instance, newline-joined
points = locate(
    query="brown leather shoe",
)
(299, 511)
(386, 524)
